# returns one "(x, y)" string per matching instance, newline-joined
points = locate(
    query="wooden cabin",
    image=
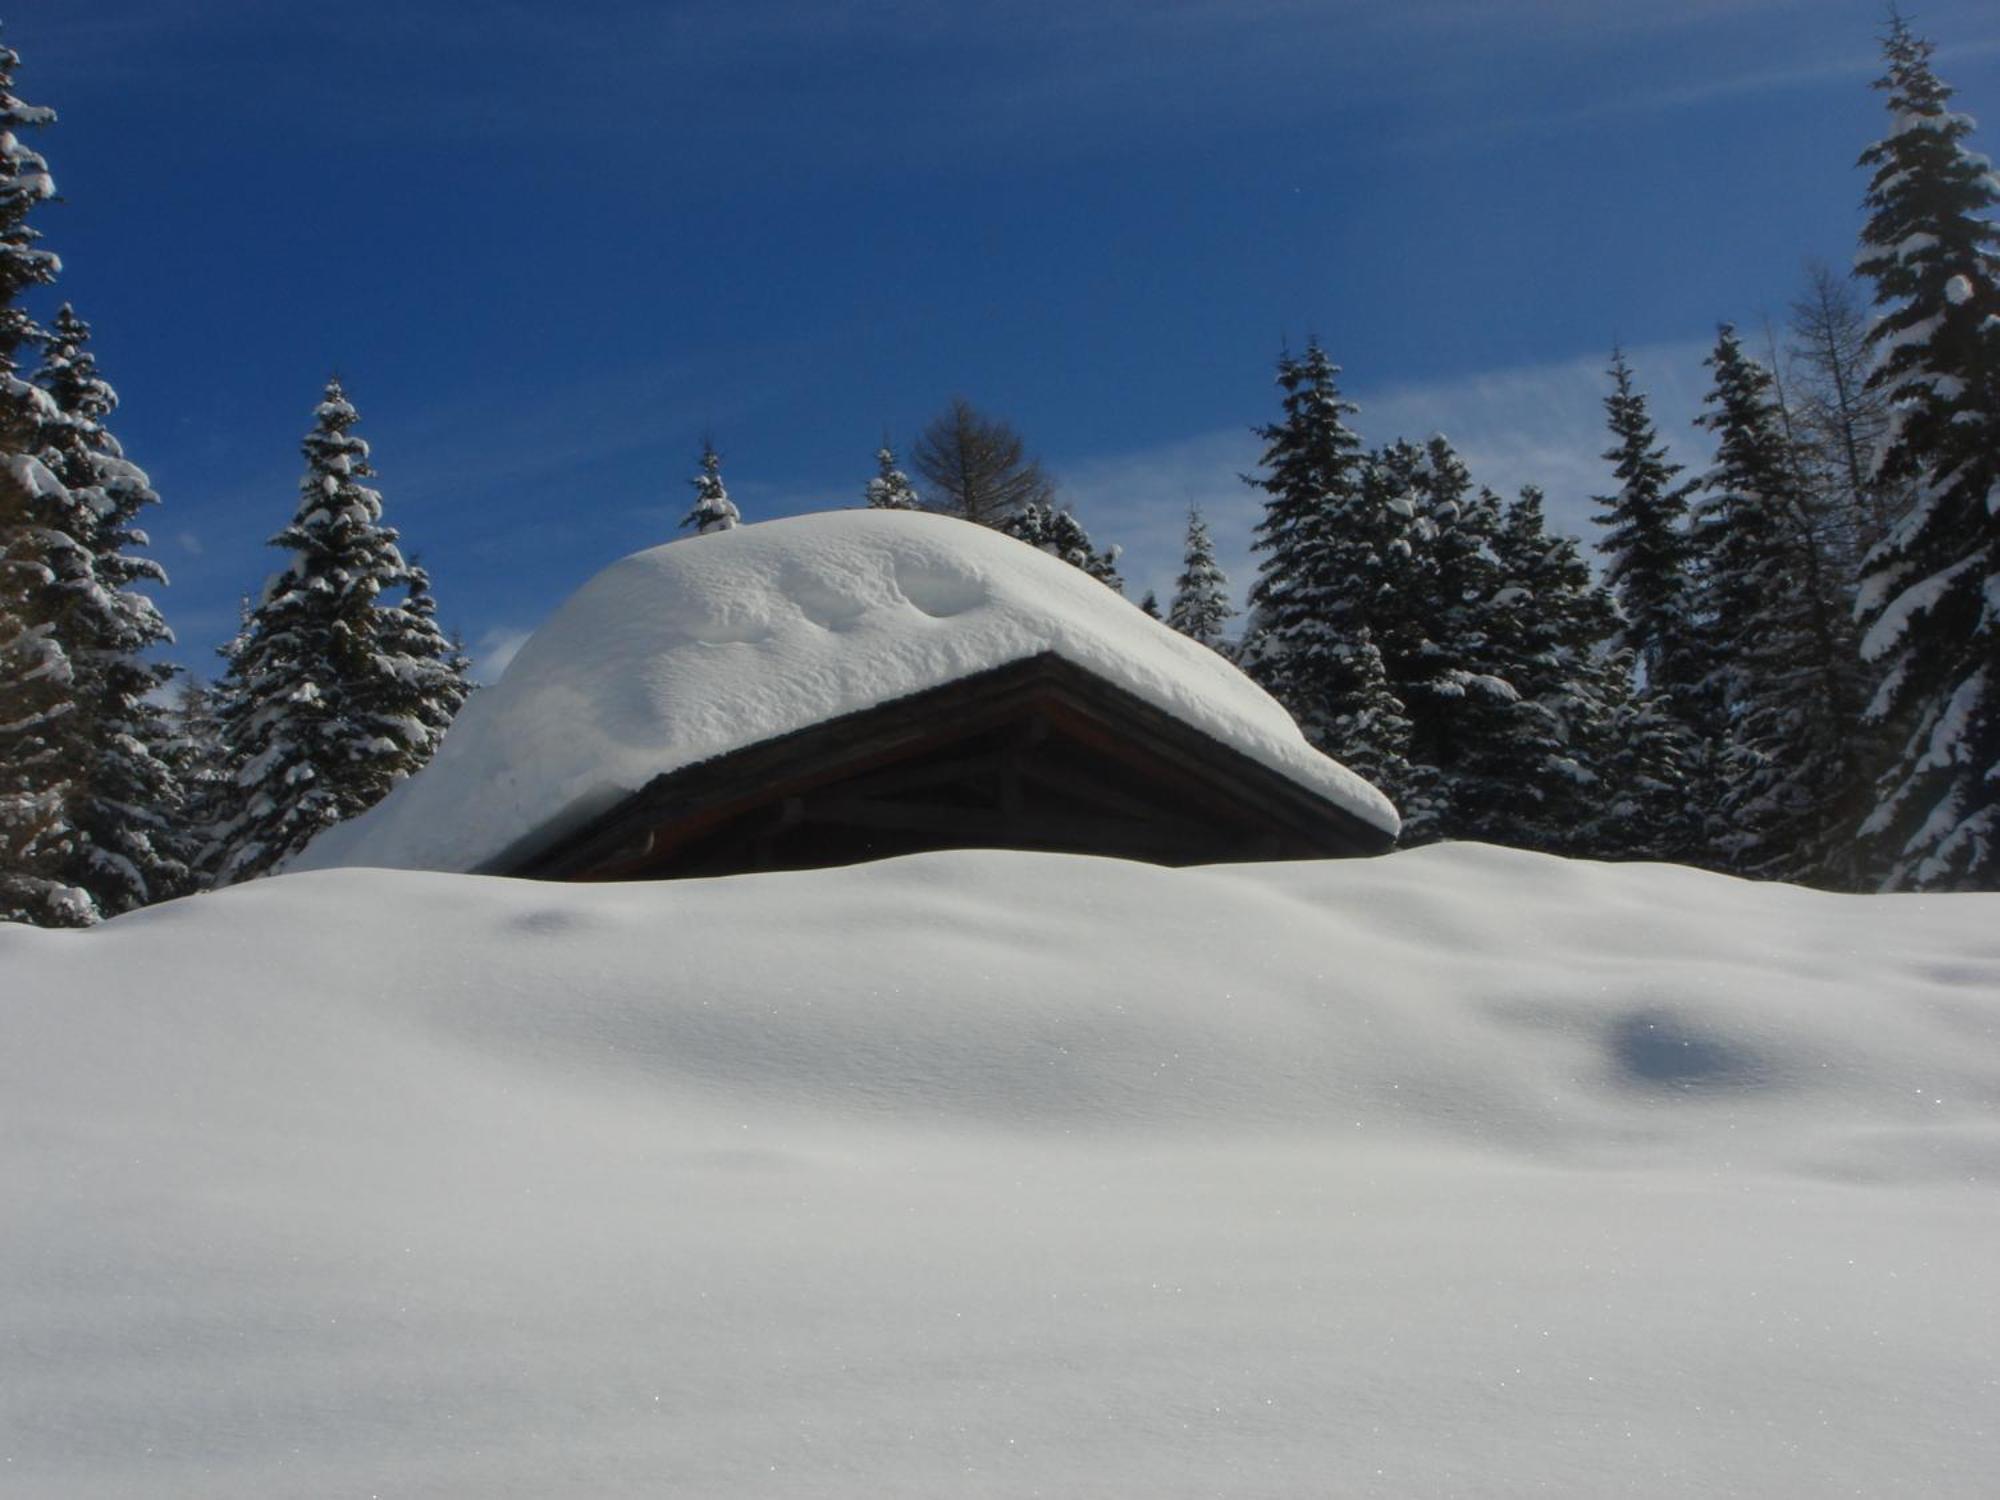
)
(1037, 754)
(832, 688)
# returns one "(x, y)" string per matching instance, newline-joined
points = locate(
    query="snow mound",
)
(1460, 1171)
(713, 643)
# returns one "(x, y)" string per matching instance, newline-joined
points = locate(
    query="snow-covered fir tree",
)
(1930, 601)
(1396, 496)
(1149, 605)
(1783, 664)
(713, 509)
(1370, 725)
(891, 489)
(1336, 554)
(51, 532)
(1313, 480)
(1469, 722)
(130, 845)
(1549, 622)
(1647, 568)
(202, 761)
(1200, 606)
(37, 705)
(1657, 781)
(195, 753)
(1057, 532)
(43, 546)
(331, 693)
(25, 184)
(1645, 544)
(439, 666)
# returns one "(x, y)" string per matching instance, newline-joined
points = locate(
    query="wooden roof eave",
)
(699, 797)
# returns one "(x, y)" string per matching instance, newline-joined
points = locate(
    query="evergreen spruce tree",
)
(43, 548)
(1369, 724)
(195, 754)
(1783, 662)
(1335, 554)
(438, 671)
(1149, 605)
(1648, 570)
(325, 705)
(1200, 606)
(1550, 622)
(38, 715)
(1657, 778)
(1469, 722)
(713, 509)
(1930, 601)
(130, 847)
(1059, 533)
(24, 184)
(891, 489)
(1398, 495)
(202, 760)
(1646, 548)
(1313, 479)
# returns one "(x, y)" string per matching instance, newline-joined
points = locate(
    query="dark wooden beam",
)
(1038, 722)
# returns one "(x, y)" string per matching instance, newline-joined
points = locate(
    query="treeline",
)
(114, 794)
(1790, 667)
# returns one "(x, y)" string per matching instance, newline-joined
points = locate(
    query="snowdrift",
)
(712, 643)
(1456, 1172)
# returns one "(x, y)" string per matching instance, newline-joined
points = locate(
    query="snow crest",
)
(713, 643)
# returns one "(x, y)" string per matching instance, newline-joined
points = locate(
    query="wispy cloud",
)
(1544, 424)
(1845, 67)
(1531, 424)
(1070, 77)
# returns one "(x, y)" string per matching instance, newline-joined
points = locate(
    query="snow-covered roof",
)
(713, 643)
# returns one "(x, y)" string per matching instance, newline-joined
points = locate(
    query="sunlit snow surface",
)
(712, 643)
(1457, 1172)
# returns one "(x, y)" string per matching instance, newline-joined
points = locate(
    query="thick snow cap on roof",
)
(713, 643)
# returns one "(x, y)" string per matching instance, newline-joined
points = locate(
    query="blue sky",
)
(549, 249)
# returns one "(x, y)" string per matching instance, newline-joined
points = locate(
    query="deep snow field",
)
(1459, 1172)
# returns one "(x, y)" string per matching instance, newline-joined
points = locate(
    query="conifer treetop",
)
(1644, 545)
(1200, 606)
(24, 183)
(81, 449)
(129, 845)
(69, 370)
(333, 692)
(1059, 533)
(713, 509)
(336, 535)
(890, 489)
(1311, 454)
(1932, 248)
(1781, 658)
(1930, 599)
